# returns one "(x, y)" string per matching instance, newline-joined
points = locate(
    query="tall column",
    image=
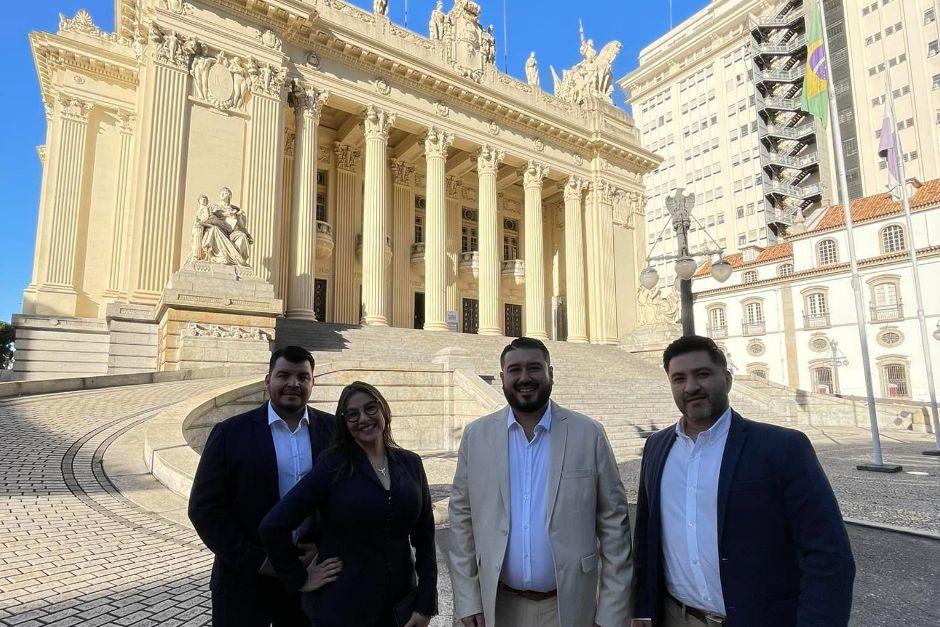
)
(488, 161)
(435, 253)
(574, 261)
(50, 147)
(348, 199)
(454, 189)
(374, 218)
(600, 244)
(403, 202)
(535, 325)
(59, 275)
(161, 165)
(308, 104)
(263, 173)
(125, 124)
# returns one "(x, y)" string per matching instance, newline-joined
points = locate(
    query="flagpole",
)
(878, 461)
(921, 317)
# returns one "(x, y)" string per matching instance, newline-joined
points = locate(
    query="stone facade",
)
(378, 170)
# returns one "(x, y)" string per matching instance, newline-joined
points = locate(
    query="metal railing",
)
(816, 321)
(717, 333)
(784, 76)
(754, 328)
(887, 313)
(801, 161)
(795, 191)
(787, 132)
(778, 21)
(766, 47)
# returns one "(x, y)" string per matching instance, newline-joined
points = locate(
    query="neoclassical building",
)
(385, 177)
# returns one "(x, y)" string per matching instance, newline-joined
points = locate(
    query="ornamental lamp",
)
(721, 270)
(649, 277)
(686, 267)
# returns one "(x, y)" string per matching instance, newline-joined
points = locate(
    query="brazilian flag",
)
(815, 100)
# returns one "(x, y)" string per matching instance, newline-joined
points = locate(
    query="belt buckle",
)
(714, 619)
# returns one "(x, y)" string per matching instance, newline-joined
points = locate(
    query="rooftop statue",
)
(532, 70)
(592, 77)
(220, 233)
(468, 47)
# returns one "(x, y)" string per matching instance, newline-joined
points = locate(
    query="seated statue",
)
(220, 233)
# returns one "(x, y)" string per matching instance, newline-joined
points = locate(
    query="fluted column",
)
(348, 199)
(308, 104)
(535, 325)
(403, 202)
(161, 166)
(453, 187)
(39, 259)
(375, 210)
(125, 125)
(574, 261)
(66, 199)
(435, 254)
(600, 245)
(264, 160)
(488, 161)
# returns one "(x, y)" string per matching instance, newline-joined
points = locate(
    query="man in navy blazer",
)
(249, 462)
(736, 522)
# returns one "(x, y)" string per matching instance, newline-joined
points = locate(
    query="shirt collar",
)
(545, 422)
(715, 432)
(273, 417)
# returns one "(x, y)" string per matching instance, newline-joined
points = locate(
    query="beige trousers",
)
(676, 618)
(514, 611)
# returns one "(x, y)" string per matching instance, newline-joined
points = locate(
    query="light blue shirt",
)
(292, 449)
(689, 508)
(528, 563)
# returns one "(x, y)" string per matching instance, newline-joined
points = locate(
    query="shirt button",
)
(691, 524)
(695, 561)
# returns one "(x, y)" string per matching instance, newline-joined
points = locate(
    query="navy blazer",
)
(235, 486)
(370, 529)
(784, 555)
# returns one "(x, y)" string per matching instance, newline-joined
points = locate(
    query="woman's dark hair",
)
(343, 443)
(694, 344)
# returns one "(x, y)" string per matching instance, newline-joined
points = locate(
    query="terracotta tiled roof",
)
(771, 253)
(878, 206)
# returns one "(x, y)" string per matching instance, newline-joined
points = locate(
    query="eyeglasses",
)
(353, 415)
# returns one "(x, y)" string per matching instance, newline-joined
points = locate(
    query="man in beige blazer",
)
(540, 533)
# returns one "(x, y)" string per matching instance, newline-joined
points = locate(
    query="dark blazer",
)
(370, 529)
(234, 487)
(784, 553)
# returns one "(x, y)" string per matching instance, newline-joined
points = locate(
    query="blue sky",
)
(549, 27)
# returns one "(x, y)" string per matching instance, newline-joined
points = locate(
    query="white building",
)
(788, 313)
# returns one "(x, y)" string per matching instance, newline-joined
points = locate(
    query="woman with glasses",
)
(374, 505)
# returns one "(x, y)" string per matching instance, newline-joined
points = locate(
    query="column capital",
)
(72, 108)
(604, 191)
(573, 187)
(347, 157)
(403, 173)
(453, 186)
(125, 121)
(436, 142)
(489, 158)
(308, 100)
(535, 172)
(171, 48)
(377, 122)
(267, 80)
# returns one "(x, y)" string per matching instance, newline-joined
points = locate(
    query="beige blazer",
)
(588, 522)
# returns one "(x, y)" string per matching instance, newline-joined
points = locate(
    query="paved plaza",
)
(77, 550)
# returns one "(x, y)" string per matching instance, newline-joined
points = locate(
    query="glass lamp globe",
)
(649, 277)
(721, 270)
(936, 333)
(686, 267)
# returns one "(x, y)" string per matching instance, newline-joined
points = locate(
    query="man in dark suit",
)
(736, 522)
(249, 462)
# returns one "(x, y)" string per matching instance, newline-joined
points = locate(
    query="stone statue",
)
(532, 70)
(592, 77)
(488, 45)
(220, 233)
(436, 25)
(380, 7)
(654, 309)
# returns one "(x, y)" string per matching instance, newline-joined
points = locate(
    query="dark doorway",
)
(319, 299)
(513, 320)
(471, 315)
(419, 310)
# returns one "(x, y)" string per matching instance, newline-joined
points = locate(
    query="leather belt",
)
(529, 595)
(707, 618)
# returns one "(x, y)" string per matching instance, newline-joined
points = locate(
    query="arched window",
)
(827, 252)
(816, 309)
(717, 322)
(750, 276)
(758, 370)
(754, 318)
(785, 269)
(892, 239)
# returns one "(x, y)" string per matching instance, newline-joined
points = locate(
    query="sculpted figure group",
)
(322, 519)
(220, 232)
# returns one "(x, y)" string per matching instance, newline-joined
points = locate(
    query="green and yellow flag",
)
(815, 99)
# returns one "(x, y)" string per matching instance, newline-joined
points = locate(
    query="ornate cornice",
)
(489, 158)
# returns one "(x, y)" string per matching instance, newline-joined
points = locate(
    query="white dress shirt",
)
(528, 563)
(292, 449)
(689, 509)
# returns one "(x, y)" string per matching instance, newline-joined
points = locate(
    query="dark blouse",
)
(370, 529)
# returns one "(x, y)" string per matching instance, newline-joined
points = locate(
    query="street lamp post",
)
(680, 207)
(836, 360)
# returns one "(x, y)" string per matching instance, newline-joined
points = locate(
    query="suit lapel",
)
(500, 441)
(267, 458)
(558, 438)
(737, 434)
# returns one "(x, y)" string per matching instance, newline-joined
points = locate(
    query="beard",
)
(542, 395)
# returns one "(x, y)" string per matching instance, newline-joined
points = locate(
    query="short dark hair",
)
(525, 342)
(694, 344)
(293, 354)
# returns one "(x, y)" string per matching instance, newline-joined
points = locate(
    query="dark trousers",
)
(268, 604)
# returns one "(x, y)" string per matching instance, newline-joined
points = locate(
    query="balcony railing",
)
(787, 132)
(777, 21)
(718, 333)
(324, 239)
(816, 321)
(417, 254)
(754, 328)
(514, 271)
(767, 47)
(887, 313)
